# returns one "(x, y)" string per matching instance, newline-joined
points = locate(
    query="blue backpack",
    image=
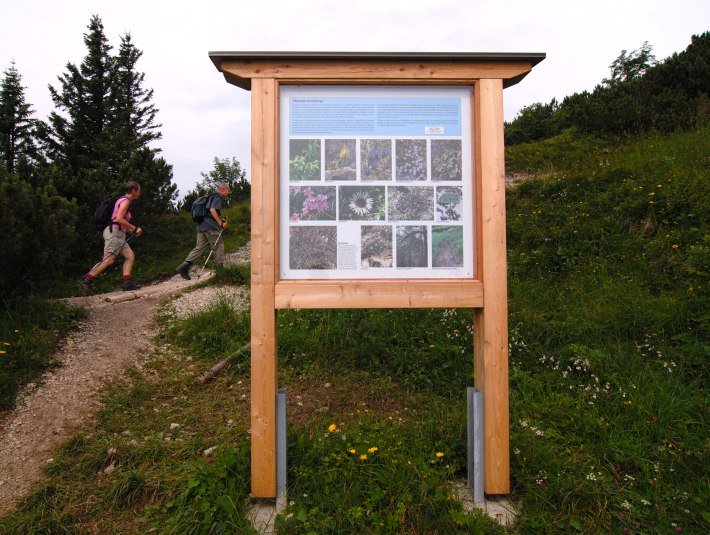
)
(200, 208)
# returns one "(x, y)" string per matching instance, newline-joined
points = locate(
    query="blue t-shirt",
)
(208, 223)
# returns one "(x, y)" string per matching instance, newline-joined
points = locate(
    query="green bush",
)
(38, 228)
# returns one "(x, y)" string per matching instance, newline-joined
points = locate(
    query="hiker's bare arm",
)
(215, 215)
(122, 209)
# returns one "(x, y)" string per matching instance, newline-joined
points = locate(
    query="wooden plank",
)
(373, 71)
(491, 329)
(263, 269)
(404, 293)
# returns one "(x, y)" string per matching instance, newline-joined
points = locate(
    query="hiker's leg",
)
(200, 247)
(218, 248)
(113, 239)
(127, 253)
(108, 259)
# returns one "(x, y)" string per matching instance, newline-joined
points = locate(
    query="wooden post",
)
(491, 321)
(264, 265)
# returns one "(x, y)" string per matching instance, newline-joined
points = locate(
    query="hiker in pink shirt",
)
(115, 241)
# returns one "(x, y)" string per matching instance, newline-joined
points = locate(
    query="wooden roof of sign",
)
(239, 68)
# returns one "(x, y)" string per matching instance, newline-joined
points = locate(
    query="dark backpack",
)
(200, 208)
(104, 211)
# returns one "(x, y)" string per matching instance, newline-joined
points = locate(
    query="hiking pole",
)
(211, 251)
(109, 255)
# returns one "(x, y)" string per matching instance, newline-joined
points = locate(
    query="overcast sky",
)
(204, 117)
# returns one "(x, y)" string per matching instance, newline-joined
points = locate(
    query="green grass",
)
(608, 337)
(607, 282)
(30, 330)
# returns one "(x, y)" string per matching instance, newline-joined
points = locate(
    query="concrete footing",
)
(500, 508)
(263, 512)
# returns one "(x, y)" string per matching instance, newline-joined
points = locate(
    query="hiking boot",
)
(87, 286)
(184, 270)
(129, 285)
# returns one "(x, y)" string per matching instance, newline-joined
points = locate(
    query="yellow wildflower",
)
(332, 427)
(373, 449)
(363, 457)
(675, 246)
(439, 454)
(2, 352)
(353, 452)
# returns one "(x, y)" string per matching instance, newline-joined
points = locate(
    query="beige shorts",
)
(113, 240)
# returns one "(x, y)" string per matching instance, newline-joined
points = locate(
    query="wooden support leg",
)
(491, 322)
(263, 273)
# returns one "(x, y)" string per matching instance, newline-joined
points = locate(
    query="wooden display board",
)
(485, 290)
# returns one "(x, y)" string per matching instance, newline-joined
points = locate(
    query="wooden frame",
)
(488, 74)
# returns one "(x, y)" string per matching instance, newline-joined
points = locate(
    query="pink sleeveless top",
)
(127, 216)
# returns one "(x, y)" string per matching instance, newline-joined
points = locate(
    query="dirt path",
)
(115, 335)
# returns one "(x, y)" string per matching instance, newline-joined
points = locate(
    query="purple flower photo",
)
(311, 203)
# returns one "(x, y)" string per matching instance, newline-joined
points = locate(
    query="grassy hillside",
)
(608, 253)
(609, 328)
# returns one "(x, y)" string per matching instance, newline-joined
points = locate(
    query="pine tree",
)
(132, 120)
(17, 128)
(133, 128)
(78, 138)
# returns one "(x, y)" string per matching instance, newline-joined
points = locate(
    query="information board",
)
(375, 182)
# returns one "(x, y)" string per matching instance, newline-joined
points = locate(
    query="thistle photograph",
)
(410, 203)
(363, 203)
(411, 159)
(411, 246)
(447, 246)
(311, 203)
(375, 159)
(446, 159)
(340, 159)
(304, 159)
(448, 203)
(376, 246)
(313, 247)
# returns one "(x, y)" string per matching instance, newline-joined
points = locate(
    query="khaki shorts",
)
(113, 240)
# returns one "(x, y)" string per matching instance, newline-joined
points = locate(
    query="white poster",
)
(376, 182)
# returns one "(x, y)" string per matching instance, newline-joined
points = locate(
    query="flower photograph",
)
(447, 246)
(410, 203)
(376, 246)
(311, 203)
(411, 246)
(304, 159)
(446, 159)
(376, 159)
(448, 203)
(361, 203)
(340, 159)
(411, 159)
(313, 247)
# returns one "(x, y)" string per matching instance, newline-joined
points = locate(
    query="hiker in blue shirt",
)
(208, 231)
